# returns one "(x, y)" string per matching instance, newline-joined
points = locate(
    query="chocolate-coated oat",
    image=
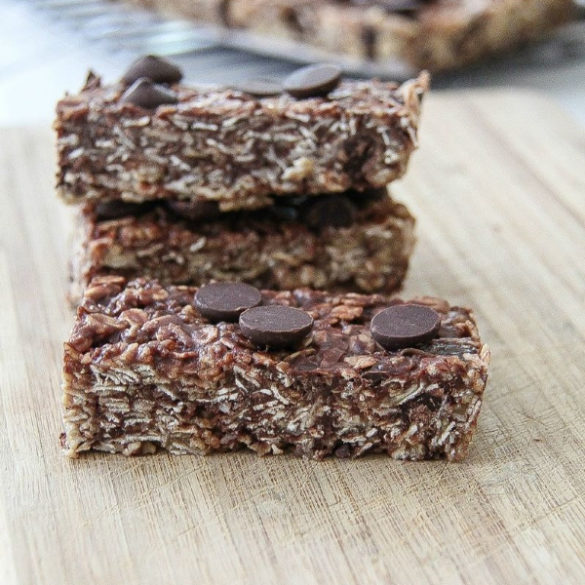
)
(195, 210)
(330, 210)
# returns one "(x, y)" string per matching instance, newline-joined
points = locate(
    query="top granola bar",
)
(227, 145)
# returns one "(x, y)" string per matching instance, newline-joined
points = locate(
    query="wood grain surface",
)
(498, 187)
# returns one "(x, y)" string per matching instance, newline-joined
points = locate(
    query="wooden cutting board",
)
(498, 187)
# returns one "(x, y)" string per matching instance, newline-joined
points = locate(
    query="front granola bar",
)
(145, 370)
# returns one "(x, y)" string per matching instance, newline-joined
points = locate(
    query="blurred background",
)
(47, 47)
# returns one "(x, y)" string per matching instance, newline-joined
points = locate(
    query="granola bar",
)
(144, 370)
(150, 141)
(331, 242)
(430, 34)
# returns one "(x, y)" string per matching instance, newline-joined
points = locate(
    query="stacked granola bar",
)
(189, 184)
(191, 200)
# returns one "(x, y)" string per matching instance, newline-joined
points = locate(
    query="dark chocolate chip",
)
(329, 210)
(358, 150)
(146, 94)
(283, 212)
(363, 199)
(115, 209)
(312, 81)
(405, 325)
(224, 301)
(291, 18)
(223, 11)
(370, 41)
(155, 68)
(287, 208)
(260, 87)
(295, 200)
(276, 325)
(404, 7)
(195, 210)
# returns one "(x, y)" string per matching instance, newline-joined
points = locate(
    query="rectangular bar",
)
(143, 370)
(341, 242)
(225, 145)
(434, 35)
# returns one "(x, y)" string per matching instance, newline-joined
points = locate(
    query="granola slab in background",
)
(425, 34)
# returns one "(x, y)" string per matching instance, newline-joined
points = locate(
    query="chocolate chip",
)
(223, 11)
(312, 81)
(370, 41)
(260, 87)
(404, 7)
(366, 198)
(146, 94)
(155, 68)
(275, 325)
(329, 210)
(115, 209)
(290, 16)
(224, 301)
(283, 212)
(195, 210)
(405, 325)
